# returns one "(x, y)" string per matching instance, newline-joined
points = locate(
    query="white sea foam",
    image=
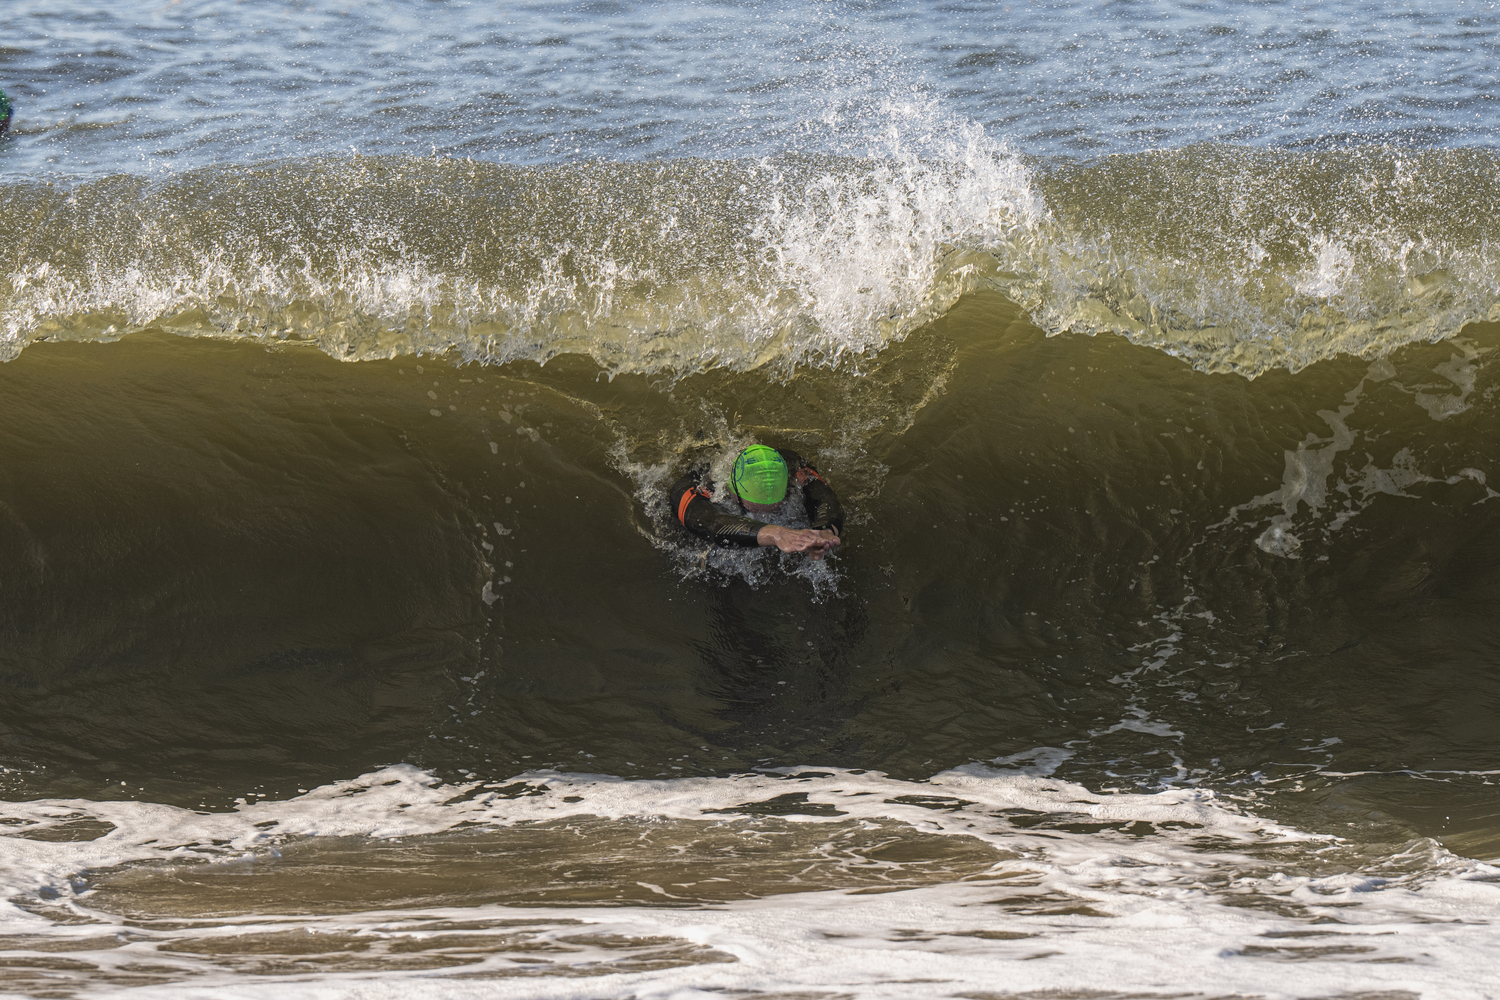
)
(1173, 892)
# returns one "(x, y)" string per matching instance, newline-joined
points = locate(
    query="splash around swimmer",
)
(760, 493)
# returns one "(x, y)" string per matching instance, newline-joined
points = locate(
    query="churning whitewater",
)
(349, 643)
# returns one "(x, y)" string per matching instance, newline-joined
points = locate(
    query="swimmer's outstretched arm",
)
(816, 542)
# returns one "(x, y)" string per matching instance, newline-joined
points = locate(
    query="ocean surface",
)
(348, 648)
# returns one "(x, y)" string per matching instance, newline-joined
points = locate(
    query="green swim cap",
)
(759, 475)
(4, 105)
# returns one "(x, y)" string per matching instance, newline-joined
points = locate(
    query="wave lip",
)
(680, 265)
(1243, 260)
(1234, 260)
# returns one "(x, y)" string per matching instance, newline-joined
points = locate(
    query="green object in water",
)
(759, 475)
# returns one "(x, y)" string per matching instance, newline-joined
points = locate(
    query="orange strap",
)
(687, 498)
(808, 472)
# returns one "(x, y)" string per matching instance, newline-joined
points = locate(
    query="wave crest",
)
(1231, 259)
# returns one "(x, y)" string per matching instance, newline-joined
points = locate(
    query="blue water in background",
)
(182, 84)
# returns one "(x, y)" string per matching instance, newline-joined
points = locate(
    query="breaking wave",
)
(1234, 260)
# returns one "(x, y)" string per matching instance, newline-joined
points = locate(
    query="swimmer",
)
(759, 486)
(4, 113)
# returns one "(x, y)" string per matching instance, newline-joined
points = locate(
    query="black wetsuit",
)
(693, 508)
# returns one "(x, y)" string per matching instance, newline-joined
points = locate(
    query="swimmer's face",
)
(764, 508)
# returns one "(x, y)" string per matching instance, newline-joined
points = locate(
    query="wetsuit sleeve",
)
(695, 512)
(822, 504)
(823, 507)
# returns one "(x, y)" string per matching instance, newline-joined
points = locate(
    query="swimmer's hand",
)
(815, 542)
